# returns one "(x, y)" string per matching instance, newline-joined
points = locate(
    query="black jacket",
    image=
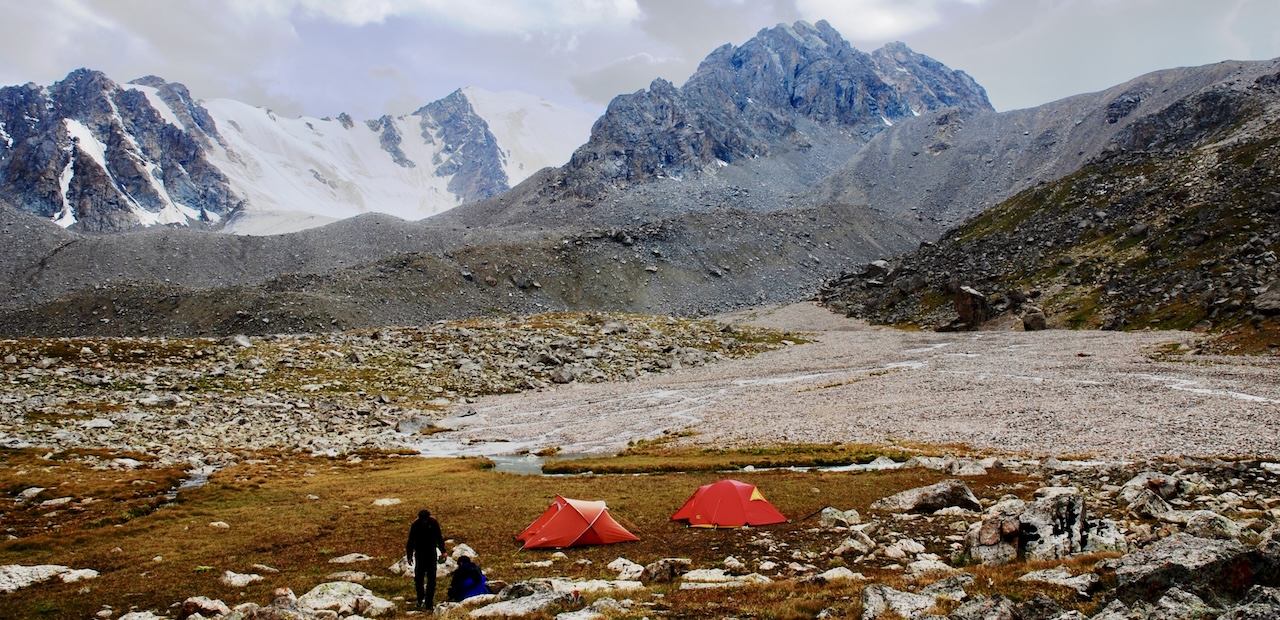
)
(424, 539)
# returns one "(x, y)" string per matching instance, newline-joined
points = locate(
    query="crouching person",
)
(467, 581)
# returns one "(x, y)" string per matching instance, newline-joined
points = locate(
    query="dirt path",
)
(1042, 393)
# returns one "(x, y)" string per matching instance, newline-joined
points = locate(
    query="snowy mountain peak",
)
(96, 156)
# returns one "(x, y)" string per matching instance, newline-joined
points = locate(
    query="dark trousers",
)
(424, 568)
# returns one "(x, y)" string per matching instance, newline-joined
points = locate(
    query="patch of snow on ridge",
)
(88, 143)
(533, 132)
(153, 97)
(67, 216)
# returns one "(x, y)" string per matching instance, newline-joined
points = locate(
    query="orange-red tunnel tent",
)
(573, 522)
(728, 503)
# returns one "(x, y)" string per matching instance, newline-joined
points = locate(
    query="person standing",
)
(424, 539)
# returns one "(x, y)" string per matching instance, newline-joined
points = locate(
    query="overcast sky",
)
(370, 57)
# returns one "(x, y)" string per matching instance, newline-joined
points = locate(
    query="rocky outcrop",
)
(928, 499)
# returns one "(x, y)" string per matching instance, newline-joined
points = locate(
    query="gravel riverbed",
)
(1064, 393)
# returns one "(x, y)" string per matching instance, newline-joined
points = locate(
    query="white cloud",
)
(500, 16)
(877, 19)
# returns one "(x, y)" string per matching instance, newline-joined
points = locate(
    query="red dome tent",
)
(573, 522)
(728, 503)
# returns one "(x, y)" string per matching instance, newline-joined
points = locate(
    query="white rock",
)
(520, 606)
(232, 579)
(462, 549)
(534, 564)
(80, 574)
(626, 569)
(928, 566)
(98, 423)
(734, 565)
(708, 575)
(402, 567)
(54, 503)
(586, 613)
(350, 558)
(1061, 576)
(348, 575)
(839, 573)
(14, 576)
(29, 493)
(387, 501)
(141, 615)
(221, 525)
(559, 556)
(565, 586)
(346, 599)
(204, 607)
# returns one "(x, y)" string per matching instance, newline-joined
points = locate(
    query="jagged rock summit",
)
(100, 157)
(794, 101)
(748, 101)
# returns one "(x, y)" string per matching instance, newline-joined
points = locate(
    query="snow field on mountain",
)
(303, 172)
(533, 132)
(321, 168)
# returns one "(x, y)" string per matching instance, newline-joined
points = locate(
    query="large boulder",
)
(994, 608)
(1167, 486)
(928, 499)
(1105, 536)
(1034, 320)
(994, 539)
(1209, 524)
(1205, 567)
(346, 599)
(1269, 301)
(1175, 604)
(1050, 528)
(1260, 603)
(972, 306)
(879, 600)
(1060, 576)
(522, 606)
(1053, 526)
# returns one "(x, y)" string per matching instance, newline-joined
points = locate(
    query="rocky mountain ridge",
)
(828, 195)
(1173, 226)
(100, 157)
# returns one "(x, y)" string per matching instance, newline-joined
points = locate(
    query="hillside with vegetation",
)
(1174, 228)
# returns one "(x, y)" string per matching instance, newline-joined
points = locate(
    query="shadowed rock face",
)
(472, 153)
(121, 165)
